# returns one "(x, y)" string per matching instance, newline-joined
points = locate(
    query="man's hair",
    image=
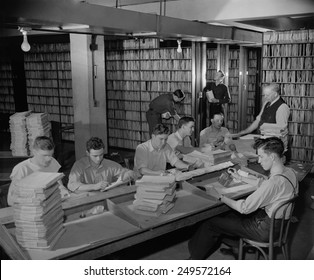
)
(94, 143)
(274, 87)
(270, 145)
(185, 120)
(221, 72)
(160, 129)
(218, 113)
(179, 93)
(43, 143)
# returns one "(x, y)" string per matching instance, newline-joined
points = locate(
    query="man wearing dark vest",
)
(273, 118)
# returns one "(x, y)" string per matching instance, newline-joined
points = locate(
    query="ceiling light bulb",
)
(179, 49)
(25, 45)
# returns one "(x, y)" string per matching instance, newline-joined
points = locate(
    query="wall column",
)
(89, 94)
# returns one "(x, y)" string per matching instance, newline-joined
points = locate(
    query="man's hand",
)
(100, 186)
(128, 176)
(64, 192)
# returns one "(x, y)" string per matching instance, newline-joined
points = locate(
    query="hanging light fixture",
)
(25, 45)
(179, 49)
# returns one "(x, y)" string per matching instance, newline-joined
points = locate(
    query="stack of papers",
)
(38, 213)
(155, 195)
(37, 125)
(19, 145)
(270, 130)
(210, 158)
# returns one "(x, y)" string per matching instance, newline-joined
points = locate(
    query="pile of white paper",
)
(37, 125)
(38, 213)
(155, 195)
(19, 144)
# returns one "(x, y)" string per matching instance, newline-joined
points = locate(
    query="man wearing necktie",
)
(273, 117)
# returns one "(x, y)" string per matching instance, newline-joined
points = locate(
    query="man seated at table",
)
(152, 156)
(213, 137)
(180, 140)
(93, 172)
(42, 160)
(258, 206)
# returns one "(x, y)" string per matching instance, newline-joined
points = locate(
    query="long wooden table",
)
(119, 227)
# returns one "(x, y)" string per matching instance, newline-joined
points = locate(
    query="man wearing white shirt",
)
(252, 216)
(42, 161)
(273, 118)
(152, 156)
(180, 140)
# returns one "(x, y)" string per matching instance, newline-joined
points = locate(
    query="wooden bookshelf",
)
(136, 73)
(232, 122)
(252, 77)
(211, 70)
(49, 84)
(288, 59)
(7, 104)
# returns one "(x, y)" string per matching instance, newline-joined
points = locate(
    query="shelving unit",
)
(7, 105)
(136, 73)
(232, 121)
(49, 85)
(288, 59)
(252, 86)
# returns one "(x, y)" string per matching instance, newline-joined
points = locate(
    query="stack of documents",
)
(19, 145)
(210, 158)
(37, 125)
(155, 195)
(38, 213)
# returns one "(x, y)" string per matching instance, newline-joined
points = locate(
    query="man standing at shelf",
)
(163, 107)
(93, 172)
(152, 156)
(273, 118)
(217, 94)
(42, 161)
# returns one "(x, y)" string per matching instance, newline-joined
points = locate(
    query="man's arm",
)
(75, 183)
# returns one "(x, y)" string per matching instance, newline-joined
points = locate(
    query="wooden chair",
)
(281, 241)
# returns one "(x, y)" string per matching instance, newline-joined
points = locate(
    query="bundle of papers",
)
(182, 176)
(155, 195)
(19, 144)
(38, 213)
(209, 158)
(37, 125)
(273, 130)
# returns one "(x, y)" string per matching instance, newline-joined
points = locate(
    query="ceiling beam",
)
(42, 14)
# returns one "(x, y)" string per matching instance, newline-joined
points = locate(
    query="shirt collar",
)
(274, 101)
(178, 135)
(150, 146)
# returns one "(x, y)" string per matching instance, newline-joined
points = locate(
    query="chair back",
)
(284, 222)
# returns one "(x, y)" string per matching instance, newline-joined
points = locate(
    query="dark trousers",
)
(152, 118)
(208, 236)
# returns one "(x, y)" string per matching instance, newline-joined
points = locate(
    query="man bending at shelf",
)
(152, 156)
(213, 137)
(273, 118)
(281, 186)
(42, 160)
(93, 172)
(163, 107)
